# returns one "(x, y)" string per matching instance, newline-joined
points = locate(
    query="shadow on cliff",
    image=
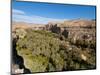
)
(16, 59)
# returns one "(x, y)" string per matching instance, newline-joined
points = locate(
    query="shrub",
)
(44, 51)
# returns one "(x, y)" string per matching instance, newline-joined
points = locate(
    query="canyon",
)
(72, 41)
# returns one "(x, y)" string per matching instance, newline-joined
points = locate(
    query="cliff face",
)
(74, 29)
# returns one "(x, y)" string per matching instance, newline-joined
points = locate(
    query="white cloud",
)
(21, 16)
(19, 12)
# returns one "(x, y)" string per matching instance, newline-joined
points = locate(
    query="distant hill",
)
(23, 25)
(67, 23)
(76, 22)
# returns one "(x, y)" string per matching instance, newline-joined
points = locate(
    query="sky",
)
(42, 13)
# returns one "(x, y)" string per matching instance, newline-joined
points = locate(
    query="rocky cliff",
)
(74, 29)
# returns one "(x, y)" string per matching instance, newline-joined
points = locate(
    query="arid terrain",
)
(57, 46)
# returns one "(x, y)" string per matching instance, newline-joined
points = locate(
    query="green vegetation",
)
(84, 43)
(44, 51)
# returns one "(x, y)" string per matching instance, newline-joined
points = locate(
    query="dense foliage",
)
(44, 51)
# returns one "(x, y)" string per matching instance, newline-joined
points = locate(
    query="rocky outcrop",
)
(18, 66)
(74, 29)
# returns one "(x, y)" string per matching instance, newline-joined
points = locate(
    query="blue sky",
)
(35, 12)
